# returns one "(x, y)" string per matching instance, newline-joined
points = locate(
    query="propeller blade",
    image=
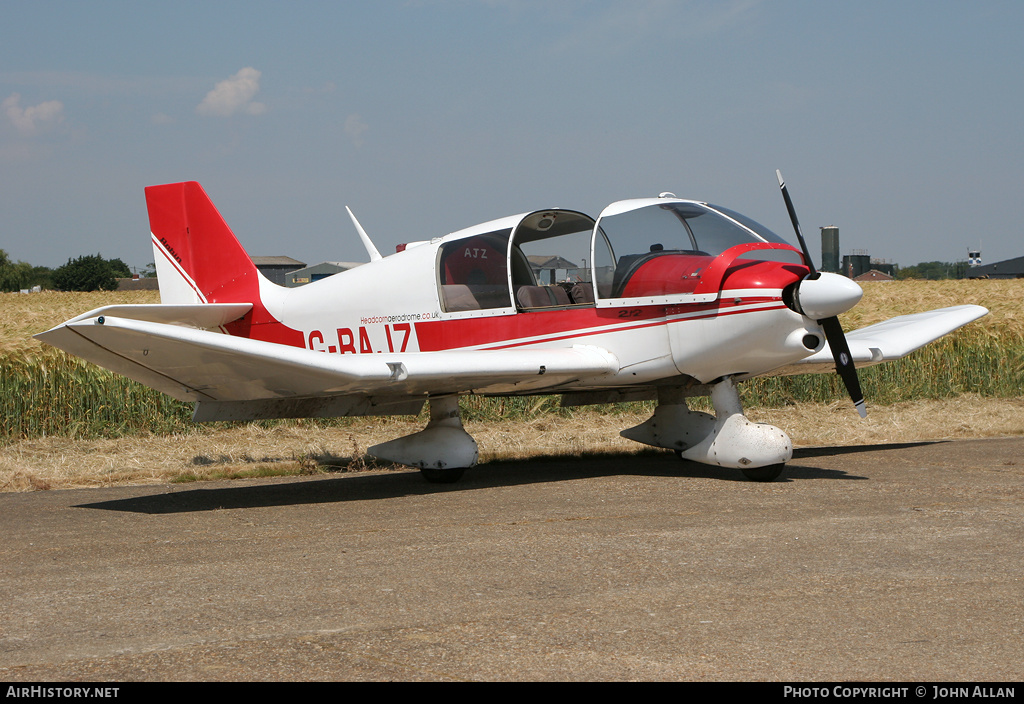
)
(844, 362)
(796, 225)
(833, 330)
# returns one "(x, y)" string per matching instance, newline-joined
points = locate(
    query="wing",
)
(240, 378)
(889, 340)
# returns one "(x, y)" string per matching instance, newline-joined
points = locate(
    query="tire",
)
(764, 474)
(443, 476)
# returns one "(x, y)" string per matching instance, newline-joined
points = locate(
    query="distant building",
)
(138, 283)
(551, 270)
(830, 249)
(276, 268)
(1009, 269)
(860, 262)
(885, 266)
(874, 275)
(309, 274)
(856, 264)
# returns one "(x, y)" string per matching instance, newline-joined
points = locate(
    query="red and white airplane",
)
(659, 298)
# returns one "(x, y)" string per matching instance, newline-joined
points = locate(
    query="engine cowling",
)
(823, 296)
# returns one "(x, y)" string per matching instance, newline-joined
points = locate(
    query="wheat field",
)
(66, 423)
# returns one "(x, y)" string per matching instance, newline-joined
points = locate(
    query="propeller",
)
(829, 323)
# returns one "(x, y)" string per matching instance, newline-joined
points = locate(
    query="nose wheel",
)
(726, 439)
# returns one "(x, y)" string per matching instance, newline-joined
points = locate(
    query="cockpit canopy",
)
(644, 250)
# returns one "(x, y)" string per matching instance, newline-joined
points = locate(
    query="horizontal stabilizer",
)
(198, 365)
(193, 315)
(892, 339)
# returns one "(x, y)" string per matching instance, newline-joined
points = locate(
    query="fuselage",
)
(703, 302)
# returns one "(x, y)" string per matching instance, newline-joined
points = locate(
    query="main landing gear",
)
(442, 451)
(726, 439)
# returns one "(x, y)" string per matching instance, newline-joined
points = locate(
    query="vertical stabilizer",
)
(199, 260)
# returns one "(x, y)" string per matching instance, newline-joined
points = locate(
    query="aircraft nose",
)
(826, 296)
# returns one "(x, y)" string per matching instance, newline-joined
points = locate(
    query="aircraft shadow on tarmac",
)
(386, 485)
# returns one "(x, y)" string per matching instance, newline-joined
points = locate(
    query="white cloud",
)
(354, 128)
(32, 119)
(233, 95)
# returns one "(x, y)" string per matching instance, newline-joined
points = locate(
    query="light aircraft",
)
(658, 298)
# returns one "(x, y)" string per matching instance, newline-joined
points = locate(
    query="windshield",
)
(697, 232)
(754, 225)
(691, 227)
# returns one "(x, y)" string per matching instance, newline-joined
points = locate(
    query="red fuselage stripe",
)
(540, 327)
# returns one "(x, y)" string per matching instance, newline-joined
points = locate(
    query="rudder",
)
(198, 258)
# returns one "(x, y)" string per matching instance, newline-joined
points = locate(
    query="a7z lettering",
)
(396, 336)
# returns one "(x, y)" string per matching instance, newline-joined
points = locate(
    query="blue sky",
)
(901, 122)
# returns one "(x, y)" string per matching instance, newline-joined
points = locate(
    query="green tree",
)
(42, 276)
(90, 272)
(929, 270)
(14, 276)
(119, 268)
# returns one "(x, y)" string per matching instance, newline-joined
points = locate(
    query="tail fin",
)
(198, 259)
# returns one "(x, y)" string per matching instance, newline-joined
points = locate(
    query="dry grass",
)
(884, 300)
(53, 462)
(24, 315)
(58, 463)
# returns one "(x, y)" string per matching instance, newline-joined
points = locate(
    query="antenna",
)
(370, 249)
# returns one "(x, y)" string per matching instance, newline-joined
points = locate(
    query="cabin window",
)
(474, 273)
(550, 260)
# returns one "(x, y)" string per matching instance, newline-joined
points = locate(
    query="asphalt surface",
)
(861, 564)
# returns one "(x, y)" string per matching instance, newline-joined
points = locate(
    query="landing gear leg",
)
(442, 451)
(726, 439)
(759, 450)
